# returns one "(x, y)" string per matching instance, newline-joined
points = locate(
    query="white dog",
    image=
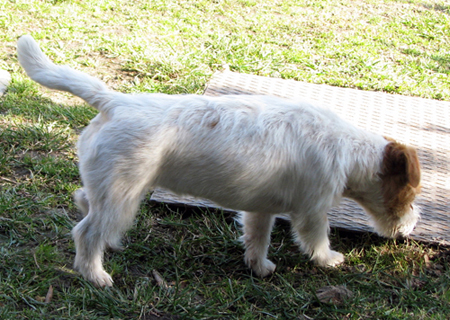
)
(258, 154)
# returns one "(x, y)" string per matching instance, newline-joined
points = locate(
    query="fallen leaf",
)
(49, 296)
(333, 294)
(159, 280)
(426, 258)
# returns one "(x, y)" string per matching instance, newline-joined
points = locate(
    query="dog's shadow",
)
(359, 246)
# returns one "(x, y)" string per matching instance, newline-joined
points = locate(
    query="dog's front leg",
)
(257, 228)
(312, 233)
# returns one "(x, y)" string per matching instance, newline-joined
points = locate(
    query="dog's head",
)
(389, 197)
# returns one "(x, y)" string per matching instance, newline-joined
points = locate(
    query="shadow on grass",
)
(437, 7)
(22, 101)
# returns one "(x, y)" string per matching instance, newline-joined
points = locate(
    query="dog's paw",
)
(332, 259)
(96, 275)
(262, 268)
(101, 280)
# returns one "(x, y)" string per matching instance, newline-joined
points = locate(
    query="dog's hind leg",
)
(312, 234)
(89, 244)
(110, 215)
(257, 228)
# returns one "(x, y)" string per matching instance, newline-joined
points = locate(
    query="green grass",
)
(169, 46)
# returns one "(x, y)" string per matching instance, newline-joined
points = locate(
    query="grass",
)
(400, 47)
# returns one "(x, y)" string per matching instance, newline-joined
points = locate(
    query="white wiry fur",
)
(258, 154)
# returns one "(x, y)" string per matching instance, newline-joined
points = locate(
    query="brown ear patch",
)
(402, 161)
(400, 176)
(413, 167)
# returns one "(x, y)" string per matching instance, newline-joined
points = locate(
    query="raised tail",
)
(43, 71)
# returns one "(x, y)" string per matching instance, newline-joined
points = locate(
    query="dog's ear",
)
(401, 163)
(413, 167)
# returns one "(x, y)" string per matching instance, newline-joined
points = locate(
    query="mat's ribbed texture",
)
(422, 123)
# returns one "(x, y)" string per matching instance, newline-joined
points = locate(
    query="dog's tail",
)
(43, 71)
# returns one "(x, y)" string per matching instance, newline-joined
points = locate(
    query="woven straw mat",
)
(422, 123)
